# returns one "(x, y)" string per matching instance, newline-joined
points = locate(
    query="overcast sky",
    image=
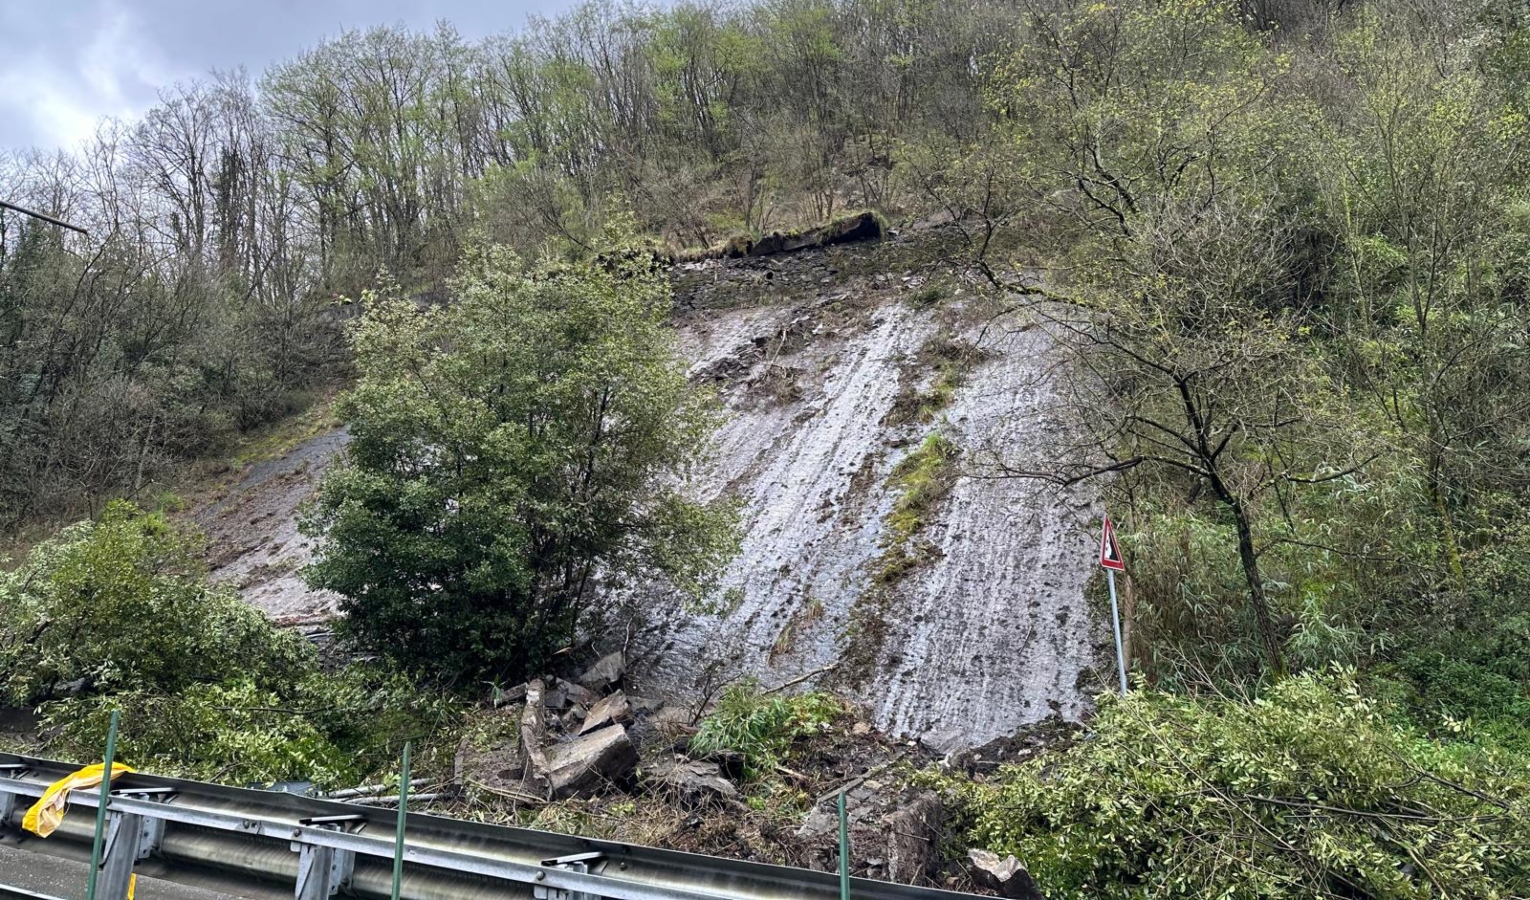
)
(66, 63)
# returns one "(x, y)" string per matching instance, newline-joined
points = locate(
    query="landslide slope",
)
(950, 601)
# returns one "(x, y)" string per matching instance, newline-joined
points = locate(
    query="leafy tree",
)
(1187, 304)
(122, 603)
(509, 450)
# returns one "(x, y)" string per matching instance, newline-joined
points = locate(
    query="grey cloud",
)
(65, 64)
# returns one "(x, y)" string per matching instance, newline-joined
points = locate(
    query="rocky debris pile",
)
(851, 229)
(553, 738)
(583, 755)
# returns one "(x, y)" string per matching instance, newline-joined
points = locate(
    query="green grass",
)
(763, 727)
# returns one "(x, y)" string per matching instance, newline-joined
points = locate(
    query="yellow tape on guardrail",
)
(48, 812)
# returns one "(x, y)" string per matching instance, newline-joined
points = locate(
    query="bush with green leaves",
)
(122, 603)
(231, 731)
(1311, 790)
(332, 728)
(509, 451)
(761, 726)
(117, 615)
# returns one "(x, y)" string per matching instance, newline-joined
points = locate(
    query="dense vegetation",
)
(1309, 792)
(1287, 245)
(118, 614)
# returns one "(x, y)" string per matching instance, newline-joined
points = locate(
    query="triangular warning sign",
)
(1110, 551)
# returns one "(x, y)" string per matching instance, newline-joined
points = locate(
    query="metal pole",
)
(844, 850)
(106, 795)
(46, 218)
(398, 837)
(1115, 615)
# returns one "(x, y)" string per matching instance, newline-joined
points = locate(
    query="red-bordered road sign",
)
(1110, 551)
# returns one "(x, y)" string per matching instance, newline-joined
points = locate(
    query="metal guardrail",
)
(268, 844)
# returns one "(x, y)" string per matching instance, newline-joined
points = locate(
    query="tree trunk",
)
(1256, 595)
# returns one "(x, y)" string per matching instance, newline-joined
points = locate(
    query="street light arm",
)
(46, 218)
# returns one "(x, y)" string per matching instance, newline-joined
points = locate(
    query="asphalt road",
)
(26, 874)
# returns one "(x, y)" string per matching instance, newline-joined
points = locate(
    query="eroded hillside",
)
(868, 393)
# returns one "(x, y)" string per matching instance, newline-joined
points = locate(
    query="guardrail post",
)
(8, 799)
(403, 815)
(323, 871)
(101, 803)
(844, 850)
(119, 854)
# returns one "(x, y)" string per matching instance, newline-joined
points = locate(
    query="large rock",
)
(606, 672)
(913, 839)
(583, 764)
(693, 783)
(533, 734)
(565, 695)
(1004, 875)
(614, 708)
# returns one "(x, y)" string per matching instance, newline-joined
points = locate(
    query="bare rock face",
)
(1004, 875)
(823, 357)
(980, 627)
(585, 763)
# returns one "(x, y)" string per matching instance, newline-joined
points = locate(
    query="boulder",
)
(1004, 875)
(693, 783)
(912, 848)
(606, 672)
(499, 697)
(582, 765)
(576, 693)
(610, 709)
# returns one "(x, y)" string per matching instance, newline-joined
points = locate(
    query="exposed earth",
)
(835, 365)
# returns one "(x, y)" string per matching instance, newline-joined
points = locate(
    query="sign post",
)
(1111, 562)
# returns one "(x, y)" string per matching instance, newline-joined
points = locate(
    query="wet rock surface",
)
(986, 629)
(253, 532)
